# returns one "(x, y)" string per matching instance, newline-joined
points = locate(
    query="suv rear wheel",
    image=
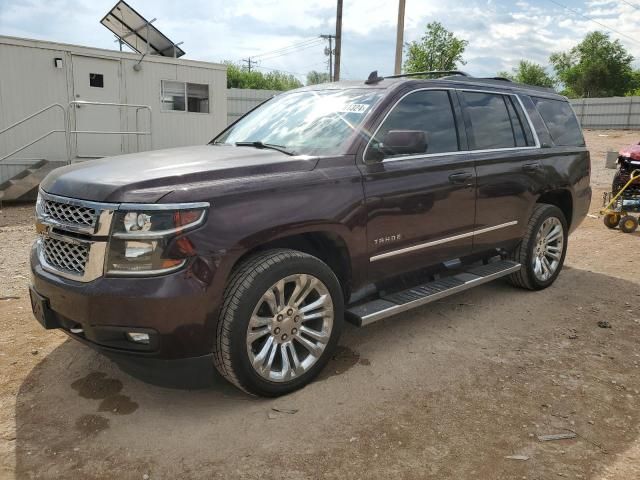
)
(280, 322)
(541, 252)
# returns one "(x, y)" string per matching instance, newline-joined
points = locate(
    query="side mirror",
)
(404, 142)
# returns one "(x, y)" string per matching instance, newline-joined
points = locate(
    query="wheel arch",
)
(562, 199)
(326, 245)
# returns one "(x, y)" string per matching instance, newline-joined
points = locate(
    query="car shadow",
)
(77, 409)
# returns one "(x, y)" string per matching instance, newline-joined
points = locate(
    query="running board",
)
(392, 304)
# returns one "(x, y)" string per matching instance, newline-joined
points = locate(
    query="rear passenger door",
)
(506, 154)
(420, 206)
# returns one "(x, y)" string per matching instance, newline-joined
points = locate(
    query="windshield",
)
(311, 122)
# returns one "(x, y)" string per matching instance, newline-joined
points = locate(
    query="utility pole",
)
(336, 69)
(399, 37)
(329, 52)
(249, 61)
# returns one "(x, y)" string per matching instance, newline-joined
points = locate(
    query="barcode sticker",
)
(354, 108)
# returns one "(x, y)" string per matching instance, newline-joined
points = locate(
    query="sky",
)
(499, 32)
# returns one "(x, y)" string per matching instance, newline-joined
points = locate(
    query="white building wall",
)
(29, 81)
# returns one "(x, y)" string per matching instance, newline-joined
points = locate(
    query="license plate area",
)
(41, 310)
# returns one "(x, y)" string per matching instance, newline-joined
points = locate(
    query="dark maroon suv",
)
(321, 204)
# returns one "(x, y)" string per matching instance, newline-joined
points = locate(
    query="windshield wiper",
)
(269, 146)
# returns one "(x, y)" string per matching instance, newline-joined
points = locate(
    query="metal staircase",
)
(23, 185)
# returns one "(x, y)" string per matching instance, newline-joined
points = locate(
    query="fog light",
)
(138, 337)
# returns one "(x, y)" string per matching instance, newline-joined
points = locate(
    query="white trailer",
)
(64, 103)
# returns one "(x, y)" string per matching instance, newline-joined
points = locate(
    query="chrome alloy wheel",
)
(548, 249)
(290, 327)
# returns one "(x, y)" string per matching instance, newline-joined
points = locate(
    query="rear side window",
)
(561, 121)
(495, 121)
(429, 111)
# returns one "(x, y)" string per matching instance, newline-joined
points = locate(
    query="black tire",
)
(628, 224)
(247, 284)
(524, 252)
(611, 220)
(617, 183)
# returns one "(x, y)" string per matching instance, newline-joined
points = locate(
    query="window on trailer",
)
(185, 97)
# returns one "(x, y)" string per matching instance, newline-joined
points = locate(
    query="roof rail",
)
(374, 78)
(504, 79)
(432, 72)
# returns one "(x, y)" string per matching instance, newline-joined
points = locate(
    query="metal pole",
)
(336, 69)
(399, 38)
(330, 59)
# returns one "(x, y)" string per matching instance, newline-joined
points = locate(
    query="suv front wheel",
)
(542, 250)
(280, 322)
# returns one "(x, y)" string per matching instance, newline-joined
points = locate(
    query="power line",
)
(594, 21)
(305, 47)
(280, 70)
(287, 71)
(288, 47)
(631, 4)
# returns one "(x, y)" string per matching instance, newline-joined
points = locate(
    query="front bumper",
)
(173, 309)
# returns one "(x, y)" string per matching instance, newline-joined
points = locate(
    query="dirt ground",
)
(449, 391)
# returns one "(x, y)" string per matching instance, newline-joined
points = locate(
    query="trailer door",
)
(96, 80)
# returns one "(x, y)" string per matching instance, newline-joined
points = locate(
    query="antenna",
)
(132, 29)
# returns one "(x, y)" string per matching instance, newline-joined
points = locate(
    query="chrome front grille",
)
(73, 236)
(65, 256)
(69, 214)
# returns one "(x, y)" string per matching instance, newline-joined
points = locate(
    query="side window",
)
(491, 125)
(519, 125)
(428, 111)
(561, 121)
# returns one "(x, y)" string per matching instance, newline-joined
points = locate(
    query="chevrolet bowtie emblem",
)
(42, 229)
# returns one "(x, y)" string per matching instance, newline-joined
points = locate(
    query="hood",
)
(148, 176)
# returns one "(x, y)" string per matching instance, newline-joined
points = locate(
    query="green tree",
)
(634, 90)
(239, 77)
(438, 49)
(314, 77)
(530, 73)
(596, 67)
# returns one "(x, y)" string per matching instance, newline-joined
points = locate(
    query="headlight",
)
(141, 234)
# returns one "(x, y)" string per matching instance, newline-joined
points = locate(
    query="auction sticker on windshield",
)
(354, 108)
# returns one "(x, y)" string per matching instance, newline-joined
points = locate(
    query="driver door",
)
(420, 205)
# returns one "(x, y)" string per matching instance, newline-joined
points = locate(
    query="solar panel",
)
(134, 30)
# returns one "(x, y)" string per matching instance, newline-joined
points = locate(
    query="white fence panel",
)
(241, 100)
(619, 113)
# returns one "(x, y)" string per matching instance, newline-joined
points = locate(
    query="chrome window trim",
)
(440, 241)
(455, 152)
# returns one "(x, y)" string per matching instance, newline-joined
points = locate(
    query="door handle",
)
(460, 177)
(532, 167)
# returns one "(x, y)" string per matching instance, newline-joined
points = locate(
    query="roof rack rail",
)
(503, 79)
(431, 72)
(374, 78)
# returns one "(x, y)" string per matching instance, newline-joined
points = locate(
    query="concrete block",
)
(611, 160)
